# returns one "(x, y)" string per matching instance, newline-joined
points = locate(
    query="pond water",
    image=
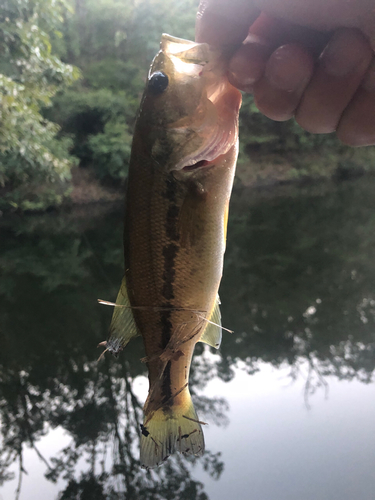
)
(289, 397)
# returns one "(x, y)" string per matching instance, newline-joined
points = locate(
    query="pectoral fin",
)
(212, 334)
(123, 327)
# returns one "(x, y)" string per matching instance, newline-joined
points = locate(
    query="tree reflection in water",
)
(103, 418)
(299, 281)
(297, 289)
(50, 325)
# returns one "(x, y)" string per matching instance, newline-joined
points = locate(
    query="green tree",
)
(113, 43)
(30, 75)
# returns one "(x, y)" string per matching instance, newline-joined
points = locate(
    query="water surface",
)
(289, 397)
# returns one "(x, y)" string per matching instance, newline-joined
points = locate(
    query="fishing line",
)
(156, 309)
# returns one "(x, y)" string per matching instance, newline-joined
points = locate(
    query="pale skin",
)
(311, 59)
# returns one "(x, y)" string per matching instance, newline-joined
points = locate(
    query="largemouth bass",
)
(181, 172)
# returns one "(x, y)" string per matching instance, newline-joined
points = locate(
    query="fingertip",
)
(248, 63)
(338, 75)
(287, 73)
(289, 68)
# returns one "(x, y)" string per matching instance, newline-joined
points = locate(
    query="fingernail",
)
(344, 53)
(287, 69)
(248, 63)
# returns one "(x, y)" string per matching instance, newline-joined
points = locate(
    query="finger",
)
(357, 124)
(266, 34)
(220, 22)
(287, 74)
(277, 32)
(248, 63)
(339, 73)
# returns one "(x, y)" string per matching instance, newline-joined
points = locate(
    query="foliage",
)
(30, 74)
(113, 43)
(111, 150)
(97, 121)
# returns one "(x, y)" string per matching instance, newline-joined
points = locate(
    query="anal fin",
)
(213, 332)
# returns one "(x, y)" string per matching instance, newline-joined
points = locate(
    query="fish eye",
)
(158, 82)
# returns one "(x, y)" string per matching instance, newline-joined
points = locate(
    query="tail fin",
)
(171, 429)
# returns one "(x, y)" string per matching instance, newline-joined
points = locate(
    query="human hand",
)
(312, 59)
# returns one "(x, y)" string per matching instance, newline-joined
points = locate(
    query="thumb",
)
(223, 22)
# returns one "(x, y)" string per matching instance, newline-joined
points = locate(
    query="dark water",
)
(289, 398)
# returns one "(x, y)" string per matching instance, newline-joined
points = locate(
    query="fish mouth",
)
(196, 166)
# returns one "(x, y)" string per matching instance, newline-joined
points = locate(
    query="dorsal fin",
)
(123, 327)
(212, 333)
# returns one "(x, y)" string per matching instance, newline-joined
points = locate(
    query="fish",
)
(181, 171)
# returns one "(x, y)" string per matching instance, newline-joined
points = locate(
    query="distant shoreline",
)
(263, 173)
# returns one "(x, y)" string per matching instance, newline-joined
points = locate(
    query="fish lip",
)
(198, 165)
(205, 164)
(219, 147)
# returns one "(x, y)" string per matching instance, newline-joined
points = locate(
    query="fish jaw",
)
(195, 117)
(221, 134)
